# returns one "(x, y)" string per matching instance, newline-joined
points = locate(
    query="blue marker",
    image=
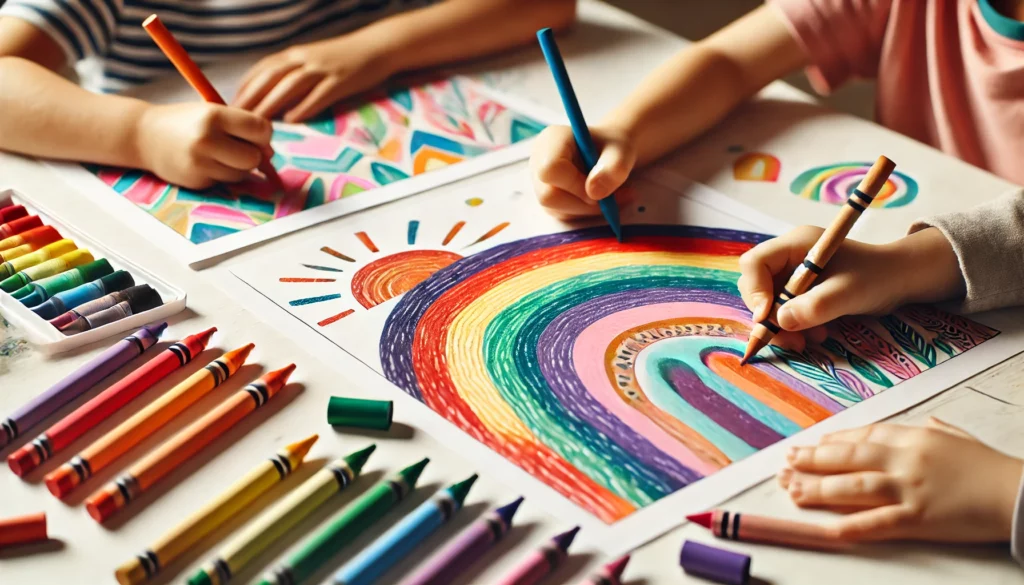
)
(63, 302)
(584, 142)
(392, 546)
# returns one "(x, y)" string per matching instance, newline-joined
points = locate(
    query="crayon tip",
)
(617, 567)
(236, 357)
(412, 473)
(157, 330)
(278, 378)
(748, 353)
(298, 451)
(204, 337)
(564, 540)
(61, 481)
(131, 573)
(355, 461)
(507, 511)
(23, 460)
(703, 518)
(461, 489)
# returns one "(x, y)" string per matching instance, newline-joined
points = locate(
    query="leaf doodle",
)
(809, 368)
(873, 347)
(910, 340)
(863, 367)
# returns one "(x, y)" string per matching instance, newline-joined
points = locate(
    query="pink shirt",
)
(950, 73)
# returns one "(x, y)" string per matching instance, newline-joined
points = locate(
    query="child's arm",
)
(303, 80)
(936, 483)
(43, 114)
(679, 100)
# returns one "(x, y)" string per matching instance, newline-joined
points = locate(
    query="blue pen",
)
(403, 537)
(63, 302)
(584, 142)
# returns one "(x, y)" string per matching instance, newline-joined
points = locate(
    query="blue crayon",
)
(392, 546)
(580, 131)
(65, 301)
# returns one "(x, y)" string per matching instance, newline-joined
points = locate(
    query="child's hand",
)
(306, 79)
(196, 144)
(559, 181)
(860, 279)
(936, 483)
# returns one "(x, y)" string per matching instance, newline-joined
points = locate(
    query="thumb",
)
(823, 303)
(610, 172)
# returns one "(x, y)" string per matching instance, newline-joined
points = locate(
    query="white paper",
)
(506, 197)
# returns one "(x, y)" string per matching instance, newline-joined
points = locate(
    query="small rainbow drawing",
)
(756, 166)
(834, 183)
(380, 279)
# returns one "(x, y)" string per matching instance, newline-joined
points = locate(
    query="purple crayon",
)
(78, 383)
(467, 547)
(542, 562)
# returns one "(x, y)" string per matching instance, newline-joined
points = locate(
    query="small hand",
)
(304, 80)
(559, 181)
(197, 144)
(932, 483)
(860, 279)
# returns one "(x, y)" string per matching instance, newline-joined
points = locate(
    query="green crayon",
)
(353, 520)
(53, 267)
(34, 293)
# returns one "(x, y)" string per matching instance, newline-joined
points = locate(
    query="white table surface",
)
(607, 53)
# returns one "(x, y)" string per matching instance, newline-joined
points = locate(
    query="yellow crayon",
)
(202, 522)
(272, 525)
(72, 259)
(16, 263)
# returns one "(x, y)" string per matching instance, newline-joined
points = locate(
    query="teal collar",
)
(1004, 25)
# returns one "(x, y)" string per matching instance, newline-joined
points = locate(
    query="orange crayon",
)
(751, 528)
(23, 529)
(185, 445)
(108, 448)
(178, 57)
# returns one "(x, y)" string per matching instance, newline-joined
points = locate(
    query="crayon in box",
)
(46, 337)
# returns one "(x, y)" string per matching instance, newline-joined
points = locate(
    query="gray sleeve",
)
(1017, 538)
(989, 243)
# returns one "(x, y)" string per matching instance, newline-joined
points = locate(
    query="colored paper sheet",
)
(608, 372)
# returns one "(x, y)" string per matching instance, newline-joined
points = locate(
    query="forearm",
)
(698, 87)
(455, 30)
(45, 115)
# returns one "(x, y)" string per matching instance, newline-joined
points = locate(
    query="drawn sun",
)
(381, 278)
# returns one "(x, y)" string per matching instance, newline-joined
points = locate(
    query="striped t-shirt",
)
(106, 36)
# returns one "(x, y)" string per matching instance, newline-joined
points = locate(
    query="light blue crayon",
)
(392, 546)
(63, 302)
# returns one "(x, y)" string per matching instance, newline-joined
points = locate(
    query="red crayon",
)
(92, 413)
(13, 228)
(23, 529)
(12, 212)
(751, 528)
(610, 574)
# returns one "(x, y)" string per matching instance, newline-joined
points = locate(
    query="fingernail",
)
(785, 476)
(796, 489)
(792, 453)
(785, 318)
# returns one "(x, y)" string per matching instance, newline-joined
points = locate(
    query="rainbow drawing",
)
(610, 371)
(348, 151)
(834, 183)
(756, 166)
(379, 279)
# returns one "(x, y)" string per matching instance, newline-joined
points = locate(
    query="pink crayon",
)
(467, 547)
(610, 574)
(542, 562)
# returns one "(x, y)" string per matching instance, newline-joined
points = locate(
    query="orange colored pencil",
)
(178, 57)
(113, 445)
(183, 446)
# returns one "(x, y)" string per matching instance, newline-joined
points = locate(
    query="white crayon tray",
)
(47, 337)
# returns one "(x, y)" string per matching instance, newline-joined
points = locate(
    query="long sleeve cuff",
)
(989, 244)
(1017, 539)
